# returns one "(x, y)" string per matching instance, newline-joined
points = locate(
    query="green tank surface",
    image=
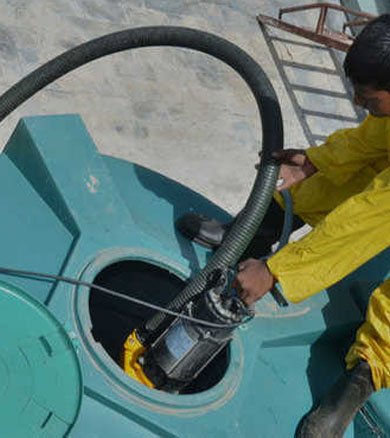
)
(76, 213)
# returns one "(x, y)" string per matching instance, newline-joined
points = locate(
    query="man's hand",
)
(295, 167)
(253, 280)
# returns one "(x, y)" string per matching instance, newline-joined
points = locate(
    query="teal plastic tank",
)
(70, 211)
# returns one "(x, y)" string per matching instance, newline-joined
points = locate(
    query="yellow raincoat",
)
(348, 203)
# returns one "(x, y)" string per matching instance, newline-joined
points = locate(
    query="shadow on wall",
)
(314, 80)
(372, 6)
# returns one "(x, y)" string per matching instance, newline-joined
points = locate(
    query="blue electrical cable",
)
(284, 238)
(288, 219)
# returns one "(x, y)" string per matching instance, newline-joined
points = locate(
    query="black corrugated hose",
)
(245, 227)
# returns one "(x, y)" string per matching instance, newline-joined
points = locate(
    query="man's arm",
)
(349, 236)
(347, 151)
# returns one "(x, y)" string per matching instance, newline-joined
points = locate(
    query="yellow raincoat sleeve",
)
(348, 150)
(346, 238)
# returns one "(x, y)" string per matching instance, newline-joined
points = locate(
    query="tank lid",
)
(40, 377)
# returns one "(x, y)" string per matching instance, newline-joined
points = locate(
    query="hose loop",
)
(244, 229)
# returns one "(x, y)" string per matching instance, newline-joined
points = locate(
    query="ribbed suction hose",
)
(245, 227)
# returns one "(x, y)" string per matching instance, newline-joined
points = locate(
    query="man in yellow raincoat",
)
(342, 189)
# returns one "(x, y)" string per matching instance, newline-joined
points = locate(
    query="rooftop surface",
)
(178, 112)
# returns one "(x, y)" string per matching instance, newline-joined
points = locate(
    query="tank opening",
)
(113, 318)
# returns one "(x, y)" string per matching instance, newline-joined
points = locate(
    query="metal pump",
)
(186, 347)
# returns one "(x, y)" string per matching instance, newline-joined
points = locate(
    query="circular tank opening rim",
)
(128, 388)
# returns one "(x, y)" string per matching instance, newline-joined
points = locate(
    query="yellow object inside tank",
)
(132, 351)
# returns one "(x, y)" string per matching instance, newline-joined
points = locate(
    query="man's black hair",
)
(368, 59)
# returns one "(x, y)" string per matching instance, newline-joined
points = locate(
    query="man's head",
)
(367, 65)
